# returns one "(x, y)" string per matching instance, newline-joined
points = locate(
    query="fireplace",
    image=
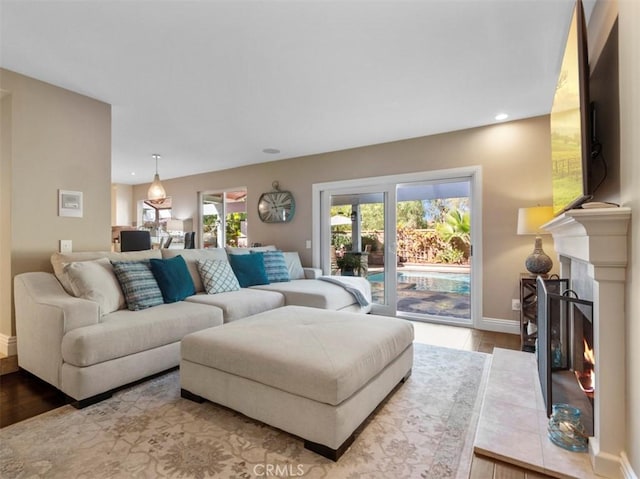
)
(592, 248)
(566, 359)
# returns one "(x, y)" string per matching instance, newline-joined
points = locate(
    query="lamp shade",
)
(530, 219)
(156, 190)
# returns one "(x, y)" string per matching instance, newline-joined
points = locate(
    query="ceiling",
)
(211, 84)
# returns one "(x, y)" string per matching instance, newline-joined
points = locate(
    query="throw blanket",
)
(357, 286)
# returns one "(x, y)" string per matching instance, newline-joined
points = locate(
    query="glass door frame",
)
(221, 239)
(321, 223)
(389, 197)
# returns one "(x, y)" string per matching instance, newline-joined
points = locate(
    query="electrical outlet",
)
(66, 246)
(515, 305)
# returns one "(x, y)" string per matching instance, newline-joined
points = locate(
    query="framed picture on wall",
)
(70, 203)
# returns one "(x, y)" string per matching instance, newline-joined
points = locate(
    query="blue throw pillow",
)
(173, 278)
(249, 269)
(138, 284)
(275, 266)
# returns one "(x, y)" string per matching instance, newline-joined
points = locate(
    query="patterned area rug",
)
(425, 430)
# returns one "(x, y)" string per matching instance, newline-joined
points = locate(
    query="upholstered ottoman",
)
(314, 373)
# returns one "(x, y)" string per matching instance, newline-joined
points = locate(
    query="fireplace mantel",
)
(592, 243)
(596, 236)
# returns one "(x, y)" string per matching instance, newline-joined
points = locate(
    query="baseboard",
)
(625, 467)
(8, 345)
(508, 326)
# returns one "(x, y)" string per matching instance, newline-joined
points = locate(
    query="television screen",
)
(570, 142)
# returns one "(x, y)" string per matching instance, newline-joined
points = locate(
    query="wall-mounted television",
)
(571, 126)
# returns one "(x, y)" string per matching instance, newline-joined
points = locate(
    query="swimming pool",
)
(430, 281)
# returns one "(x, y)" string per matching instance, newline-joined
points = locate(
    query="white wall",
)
(629, 52)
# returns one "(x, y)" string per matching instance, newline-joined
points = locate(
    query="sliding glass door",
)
(433, 234)
(357, 236)
(411, 239)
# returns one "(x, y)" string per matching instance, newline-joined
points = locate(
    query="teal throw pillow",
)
(217, 276)
(173, 278)
(249, 269)
(275, 266)
(138, 284)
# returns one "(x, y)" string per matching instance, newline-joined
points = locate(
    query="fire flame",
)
(587, 378)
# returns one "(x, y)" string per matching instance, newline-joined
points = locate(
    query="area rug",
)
(425, 430)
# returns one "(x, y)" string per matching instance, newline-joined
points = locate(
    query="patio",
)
(417, 299)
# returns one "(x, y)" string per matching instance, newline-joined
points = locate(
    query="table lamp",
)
(529, 222)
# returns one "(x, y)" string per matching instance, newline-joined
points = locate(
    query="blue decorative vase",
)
(565, 428)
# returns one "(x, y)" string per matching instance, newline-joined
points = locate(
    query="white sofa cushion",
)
(242, 303)
(312, 292)
(234, 250)
(123, 332)
(96, 281)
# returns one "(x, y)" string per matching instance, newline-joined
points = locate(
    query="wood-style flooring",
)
(485, 468)
(22, 395)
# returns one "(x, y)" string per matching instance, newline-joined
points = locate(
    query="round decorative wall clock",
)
(276, 206)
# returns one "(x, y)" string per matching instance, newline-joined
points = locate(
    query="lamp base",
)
(538, 262)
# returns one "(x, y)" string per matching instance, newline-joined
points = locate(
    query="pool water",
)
(430, 281)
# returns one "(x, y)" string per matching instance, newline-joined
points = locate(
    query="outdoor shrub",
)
(450, 255)
(370, 239)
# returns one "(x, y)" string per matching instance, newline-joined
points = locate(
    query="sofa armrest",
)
(44, 313)
(312, 273)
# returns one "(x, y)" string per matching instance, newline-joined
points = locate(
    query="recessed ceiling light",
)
(271, 151)
(501, 116)
(133, 173)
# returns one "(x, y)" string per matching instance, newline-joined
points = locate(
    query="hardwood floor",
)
(22, 395)
(485, 468)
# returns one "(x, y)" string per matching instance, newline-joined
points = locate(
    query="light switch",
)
(308, 244)
(66, 246)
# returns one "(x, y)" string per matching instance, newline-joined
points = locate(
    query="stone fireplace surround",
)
(592, 251)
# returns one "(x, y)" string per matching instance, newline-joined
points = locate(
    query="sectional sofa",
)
(97, 323)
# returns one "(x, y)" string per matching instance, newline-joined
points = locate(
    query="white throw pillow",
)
(294, 265)
(96, 281)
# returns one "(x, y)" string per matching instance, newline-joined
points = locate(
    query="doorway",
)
(412, 237)
(223, 218)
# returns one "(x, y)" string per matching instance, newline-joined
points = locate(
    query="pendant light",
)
(156, 190)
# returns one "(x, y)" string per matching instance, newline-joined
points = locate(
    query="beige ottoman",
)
(314, 373)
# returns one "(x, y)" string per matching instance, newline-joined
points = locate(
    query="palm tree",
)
(456, 230)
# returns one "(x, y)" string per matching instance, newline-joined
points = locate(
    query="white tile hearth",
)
(513, 422)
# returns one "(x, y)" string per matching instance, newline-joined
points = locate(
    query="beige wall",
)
(629, 51)
(5, 221)
(121, 208)
(59, 140)
(516, 172)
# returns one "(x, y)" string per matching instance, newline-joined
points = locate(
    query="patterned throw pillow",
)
(138, 284)
(217, 276)
(275, 266)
